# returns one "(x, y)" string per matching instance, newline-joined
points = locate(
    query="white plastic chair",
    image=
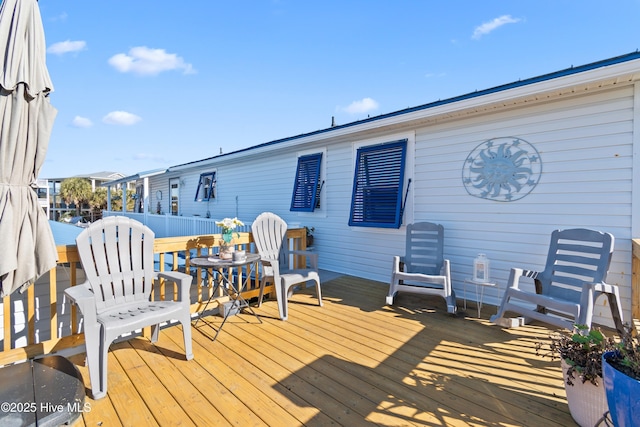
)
(269, 231)
(566, 291)
(423, 269)
(117, 258)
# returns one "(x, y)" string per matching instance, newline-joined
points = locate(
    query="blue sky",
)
(147, 84)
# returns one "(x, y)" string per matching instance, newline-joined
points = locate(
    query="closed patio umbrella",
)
(27, 248)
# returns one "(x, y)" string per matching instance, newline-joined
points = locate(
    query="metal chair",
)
(566, 290)
(117, 258)
(269, 231)
(423, 269)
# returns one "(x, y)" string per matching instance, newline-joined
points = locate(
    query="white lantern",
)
(481, 268)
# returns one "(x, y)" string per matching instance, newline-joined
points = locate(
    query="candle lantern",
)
(481, 268)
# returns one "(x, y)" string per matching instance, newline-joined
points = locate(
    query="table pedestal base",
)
(479, 293)
(236, 302)
(42, 392)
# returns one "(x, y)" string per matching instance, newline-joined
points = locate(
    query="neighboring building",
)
(500, 168)
(140, 182)
(58, 207)
(43, 195)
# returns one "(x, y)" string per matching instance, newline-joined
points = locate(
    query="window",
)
(307, 186)
(206, 187)
(138, 197)
(377, 185)
(174, 195)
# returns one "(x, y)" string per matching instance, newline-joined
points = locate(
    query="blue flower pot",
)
(623, 395)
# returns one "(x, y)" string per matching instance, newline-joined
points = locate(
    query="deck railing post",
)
(635, 279)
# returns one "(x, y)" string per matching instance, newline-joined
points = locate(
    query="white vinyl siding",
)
(585, 143)
(586, 149)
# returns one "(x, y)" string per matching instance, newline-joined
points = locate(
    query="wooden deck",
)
(353, 362)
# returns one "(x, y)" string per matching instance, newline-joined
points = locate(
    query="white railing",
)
(171, 225)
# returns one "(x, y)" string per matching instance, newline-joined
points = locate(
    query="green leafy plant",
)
(626, 359)
(581, 349)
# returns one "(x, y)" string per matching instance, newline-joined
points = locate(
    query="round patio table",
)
(229, 287)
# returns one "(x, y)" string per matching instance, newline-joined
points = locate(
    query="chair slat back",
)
(424, 251)
(576, 256)
(117, 257)
(269, 232)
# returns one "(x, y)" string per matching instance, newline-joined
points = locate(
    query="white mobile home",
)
(500, 169)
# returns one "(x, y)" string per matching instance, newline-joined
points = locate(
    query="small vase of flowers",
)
(227, 227)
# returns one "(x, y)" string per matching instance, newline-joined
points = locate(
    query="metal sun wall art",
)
(502, 169)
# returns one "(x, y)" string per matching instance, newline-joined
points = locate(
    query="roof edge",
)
(520, 83)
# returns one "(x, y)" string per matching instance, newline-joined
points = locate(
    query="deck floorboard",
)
(352, 362)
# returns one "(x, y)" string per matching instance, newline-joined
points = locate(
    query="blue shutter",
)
(377, 185)
(305, 188)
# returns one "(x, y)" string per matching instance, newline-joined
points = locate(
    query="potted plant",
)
(309, 231)
(621, 374)
(580, 353)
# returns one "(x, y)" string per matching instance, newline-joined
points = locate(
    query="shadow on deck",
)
(352, 362)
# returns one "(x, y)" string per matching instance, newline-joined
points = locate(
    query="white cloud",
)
(144, 61)
(488, 27)
(363, 106)
(121, 118)
(67, 46)
(81, 122)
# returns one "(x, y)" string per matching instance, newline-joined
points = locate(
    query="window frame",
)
(211, 194)
(309, 167)
(174, 196)
(139, 199)
(360, 215)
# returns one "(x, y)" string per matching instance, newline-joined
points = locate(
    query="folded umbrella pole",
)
(27, 250)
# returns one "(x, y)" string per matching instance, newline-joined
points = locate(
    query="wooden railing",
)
(635, 280)
(173, 253)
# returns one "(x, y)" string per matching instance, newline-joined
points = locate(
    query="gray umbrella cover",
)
(27, 248)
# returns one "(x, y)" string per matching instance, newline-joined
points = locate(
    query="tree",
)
(98, 202)
(76, 191)
(98, 199)
(116, 200)
(131, 201)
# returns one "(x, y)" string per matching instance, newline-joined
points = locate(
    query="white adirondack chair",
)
(423, 269)
(572, 280)
(117, 258)
(269, 232)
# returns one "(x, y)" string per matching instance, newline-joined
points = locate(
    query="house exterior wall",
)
(586, 146)
(585, 140)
